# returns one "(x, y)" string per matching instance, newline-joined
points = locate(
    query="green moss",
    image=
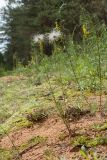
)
(14, 123)
(79, 141)
(37, 115)
(31, 143)
(62, 136)
(101, 127)
(97, 141)
(49, 155)
(89, 142)
(21, 123)
(5, 154)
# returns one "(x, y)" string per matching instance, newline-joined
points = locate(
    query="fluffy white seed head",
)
(38, 38)
(54, 35)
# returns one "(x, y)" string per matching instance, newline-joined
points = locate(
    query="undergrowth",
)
(65, 78)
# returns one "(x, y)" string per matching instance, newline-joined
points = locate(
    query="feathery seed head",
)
(54, 35)
(38, 38)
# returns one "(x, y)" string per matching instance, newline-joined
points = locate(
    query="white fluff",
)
(38, 38)
(54, 35)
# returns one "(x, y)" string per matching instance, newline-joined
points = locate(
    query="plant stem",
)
(18, 153)
(60, 110)
(100, 79)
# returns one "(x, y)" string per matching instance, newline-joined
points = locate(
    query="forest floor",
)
(28, 134)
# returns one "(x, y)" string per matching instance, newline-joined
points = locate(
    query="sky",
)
(2, 3)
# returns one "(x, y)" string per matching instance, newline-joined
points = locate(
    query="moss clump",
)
(11, 154)
(31, 143)
(37, 115)
(49, 155)
(62, 136)
(101, 127)
(97, 141)
(15, 123)
(5, 154)
(79, 141)
(21, 122)
(89, 142)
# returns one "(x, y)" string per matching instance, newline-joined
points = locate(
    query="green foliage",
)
(37, 115)
(49, 155)
(101, 127)
(72, 75)
(84, 155)
(5, 154)
(13, 123)
(60, 67)
(32, 17)
(2, 72)
(79, 141)
(31, 143)
(88, 156)
(89, 142)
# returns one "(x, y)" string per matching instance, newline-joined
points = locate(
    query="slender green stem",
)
(100, 78)
(18, 153)
(59, 108)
